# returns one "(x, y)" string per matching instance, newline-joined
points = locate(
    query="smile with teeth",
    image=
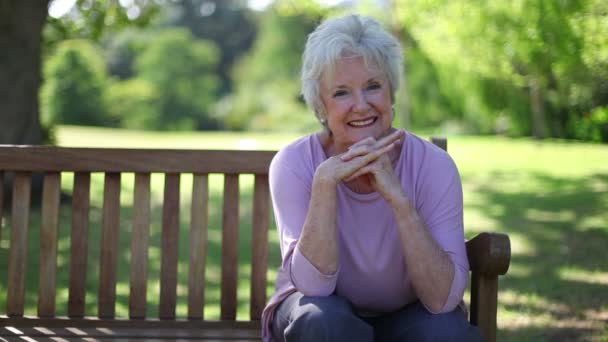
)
(362, 123)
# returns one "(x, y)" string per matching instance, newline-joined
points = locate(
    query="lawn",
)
(550, 197)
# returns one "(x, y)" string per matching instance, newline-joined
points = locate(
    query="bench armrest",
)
(489, 256)
(489, 253)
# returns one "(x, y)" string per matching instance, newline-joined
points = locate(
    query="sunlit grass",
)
(76, 136)
(550, 197)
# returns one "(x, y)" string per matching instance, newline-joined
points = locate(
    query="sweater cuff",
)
(308, 279)
(459, 283)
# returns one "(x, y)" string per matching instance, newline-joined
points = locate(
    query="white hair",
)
(348, 36)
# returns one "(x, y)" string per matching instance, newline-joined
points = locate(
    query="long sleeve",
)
(291, 193)
(441, 207)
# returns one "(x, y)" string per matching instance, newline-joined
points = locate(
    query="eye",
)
(373, 86)
(339, 93)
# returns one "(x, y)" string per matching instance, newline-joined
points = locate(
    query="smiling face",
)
(357, 102)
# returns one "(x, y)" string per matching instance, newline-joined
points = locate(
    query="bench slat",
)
(79, 244)
(110, 222)
(230, 243)
(1, 202)
(130, 334)
(49, 158)
(18, 254)
(259, 245)
(169, 247)
(135, 329)
(48, 244)
(94, 322)
(139, 246)
(440, 142)
(198, 246)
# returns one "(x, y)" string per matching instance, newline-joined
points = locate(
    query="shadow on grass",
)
(564, 229)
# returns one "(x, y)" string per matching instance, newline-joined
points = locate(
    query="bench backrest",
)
(20, 163)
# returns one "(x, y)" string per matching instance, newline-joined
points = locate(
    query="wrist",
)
(399, 201)
(321, 179)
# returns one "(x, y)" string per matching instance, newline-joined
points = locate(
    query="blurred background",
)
(516, 68)
(519, 87)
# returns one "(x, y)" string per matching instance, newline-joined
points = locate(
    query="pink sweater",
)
(372, 273)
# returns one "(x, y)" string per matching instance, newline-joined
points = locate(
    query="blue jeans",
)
(332, 318)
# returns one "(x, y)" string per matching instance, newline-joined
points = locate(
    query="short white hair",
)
(348, 36)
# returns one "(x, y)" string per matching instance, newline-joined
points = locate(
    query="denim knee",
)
(326, 319)
(451, 326)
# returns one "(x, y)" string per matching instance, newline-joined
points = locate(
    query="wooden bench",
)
(489, 253)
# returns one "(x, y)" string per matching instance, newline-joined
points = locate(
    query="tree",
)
(537, 62)
(73, 92)
(266, 95)
(21, 48)
(21, 23)
(228, 23)
(182, 69)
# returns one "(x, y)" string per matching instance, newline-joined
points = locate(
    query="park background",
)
(520, 88)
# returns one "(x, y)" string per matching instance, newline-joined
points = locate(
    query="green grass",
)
(550, 197)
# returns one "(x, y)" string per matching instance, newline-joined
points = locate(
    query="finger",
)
(366, 141)
(369, 168)
(391, 138)
(356, 151)
(378, 152)
(367, 159)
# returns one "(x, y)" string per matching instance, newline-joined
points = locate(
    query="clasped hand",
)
(366, 158)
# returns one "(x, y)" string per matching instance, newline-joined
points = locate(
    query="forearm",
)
(319, 239)
(430, 268)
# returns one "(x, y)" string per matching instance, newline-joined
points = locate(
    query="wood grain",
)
(230, 247)
(484, 298)
(48, 244)
(259, 246)
(50, 158)
(198, 246)
(79, 244)
(18, 254)
(110, 224)
(169, 247)
(139, 246)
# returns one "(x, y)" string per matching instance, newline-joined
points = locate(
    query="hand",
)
(380, 173)
(338, 168)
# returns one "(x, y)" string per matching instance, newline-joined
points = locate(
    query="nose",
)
(361, 103)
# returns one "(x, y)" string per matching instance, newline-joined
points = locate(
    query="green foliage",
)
(73, 92)
(182, 69)
(134, 103)
(592, 127)
(94, 19)
(121, 49)
(539, 63)
(215, 20)
(267, 92)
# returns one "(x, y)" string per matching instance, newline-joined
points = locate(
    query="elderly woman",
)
(369, 216)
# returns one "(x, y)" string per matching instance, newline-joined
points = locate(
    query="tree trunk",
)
(21, 24)
(538, 110)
